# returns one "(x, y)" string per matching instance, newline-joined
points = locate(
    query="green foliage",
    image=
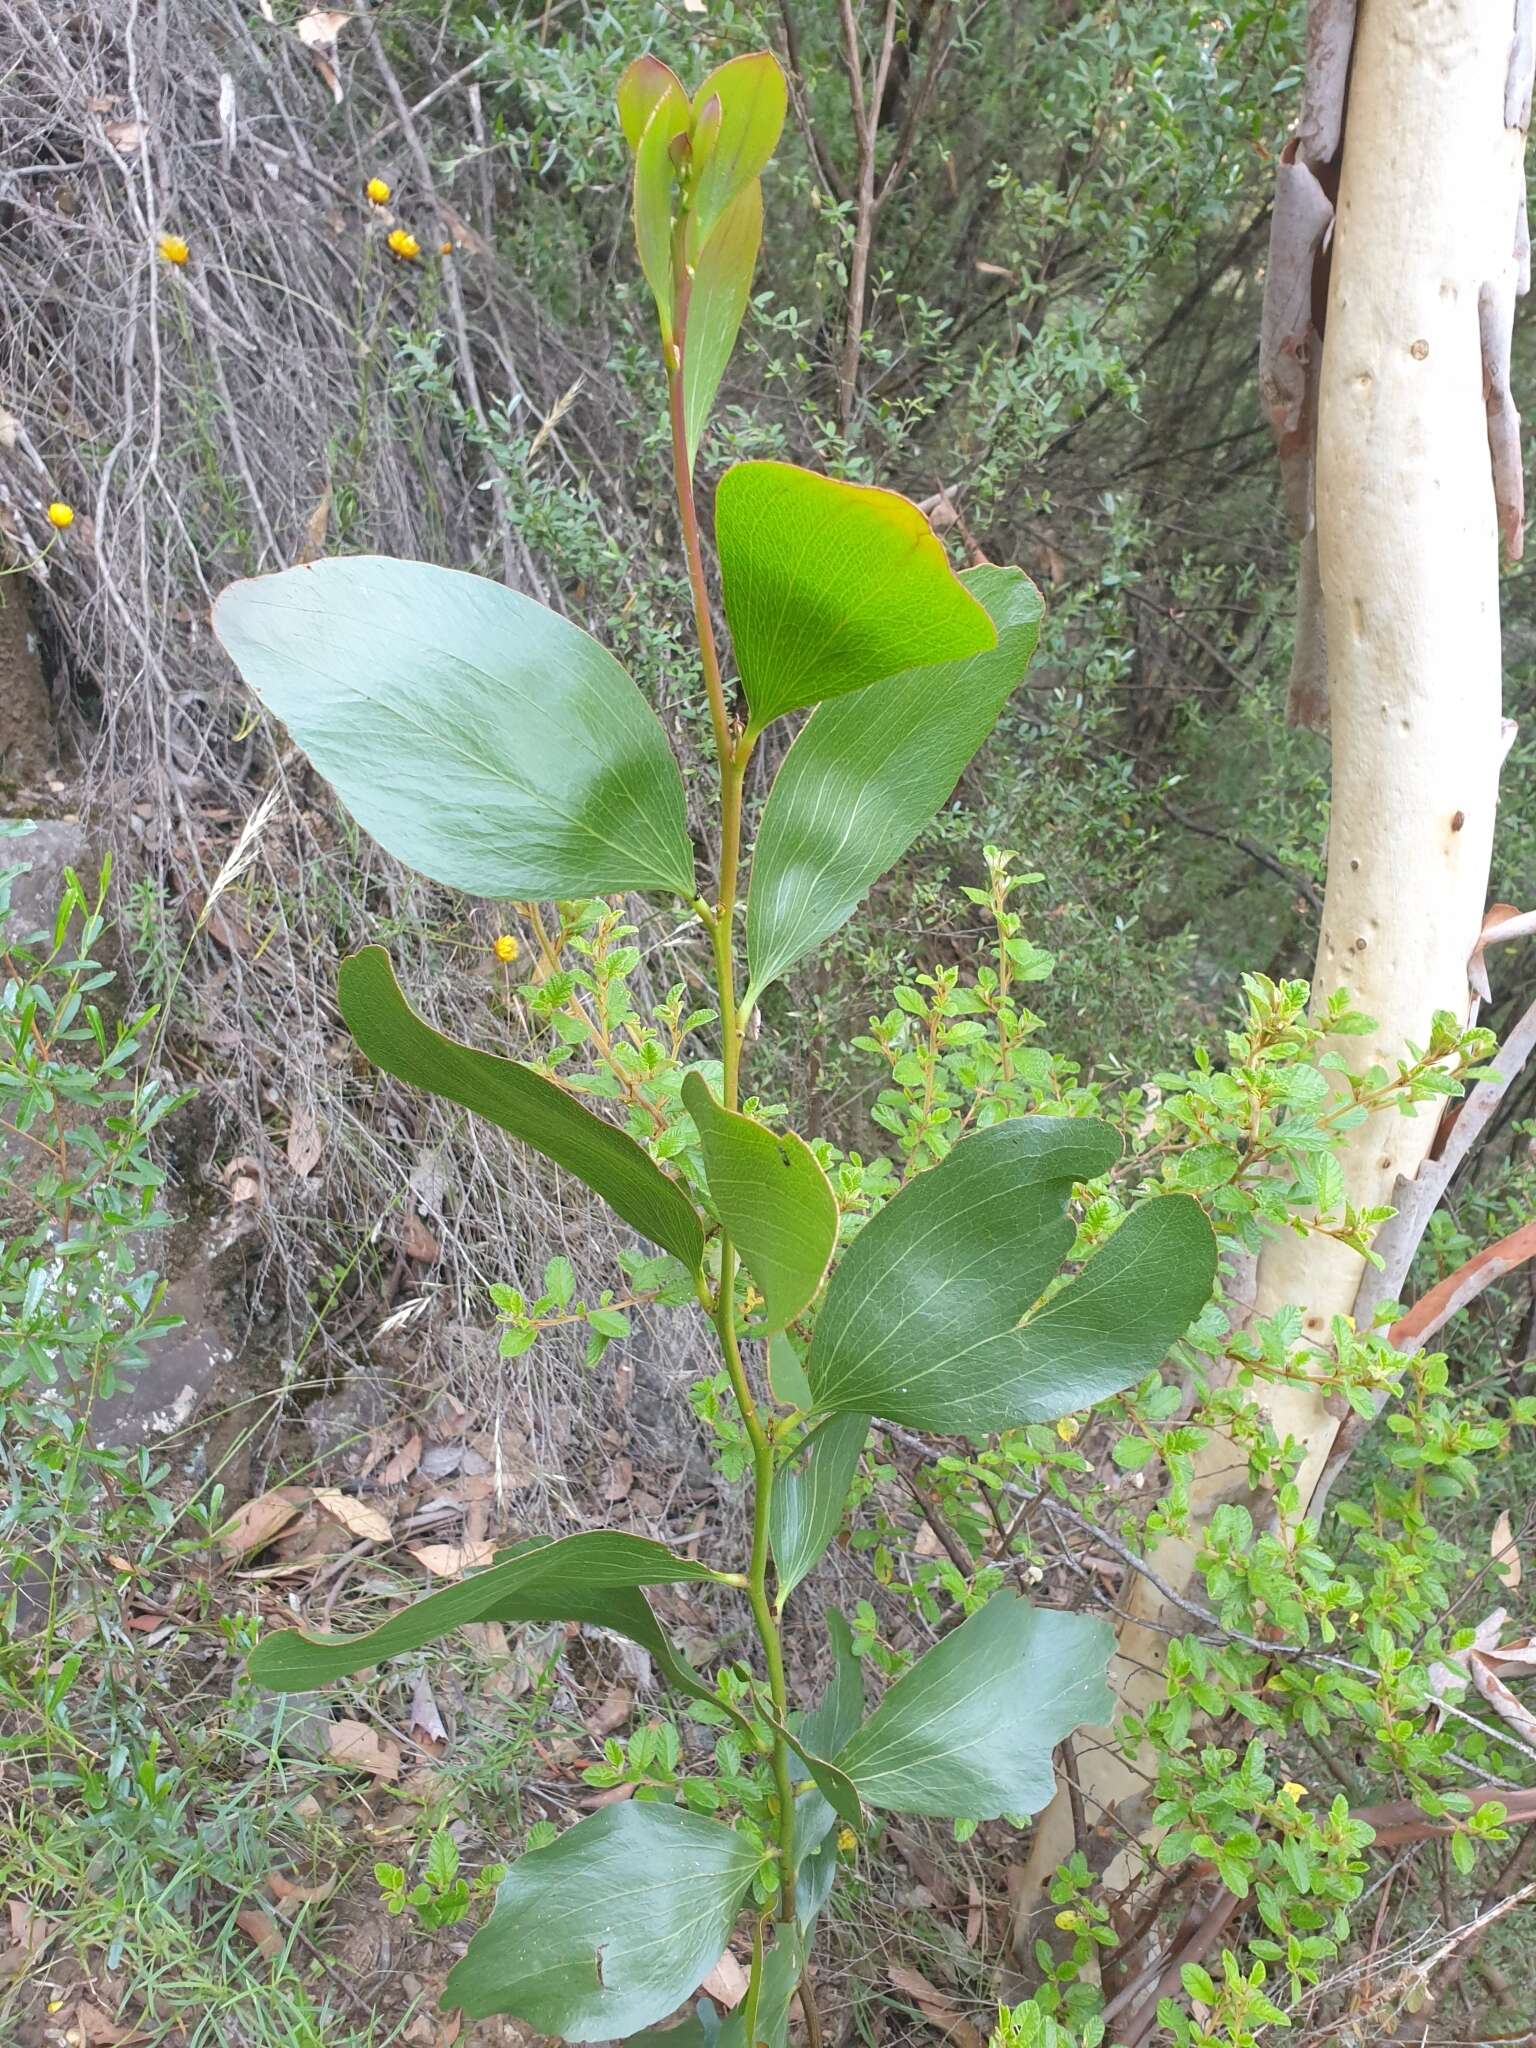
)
(440, 1897)
(483, 739)
(931, 1317)
(595, 1578)
(854, 792)
(810, 1495)
(519, 1100)
(968, 1731)
(950, 1308)
(77, 1181)
(773, 1200)
(83, 1108)
(830, 587)
(611, 1926)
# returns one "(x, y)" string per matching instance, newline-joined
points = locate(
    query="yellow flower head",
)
(60, 514)
(174, 249)
(1067, 1428)
(506, 947)
(1297, 1792)
(847, 1840)
(405, 246)
(378, 191)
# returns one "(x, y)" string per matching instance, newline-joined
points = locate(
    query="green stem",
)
(757, 1571)
(733, 750)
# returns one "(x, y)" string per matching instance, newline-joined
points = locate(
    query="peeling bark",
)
(1288, 341)
(1330, 38)
(1306, 697)
(1496, 328)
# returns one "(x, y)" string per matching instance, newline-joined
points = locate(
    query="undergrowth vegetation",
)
(1035, 320)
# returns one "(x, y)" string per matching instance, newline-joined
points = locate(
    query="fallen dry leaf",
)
(426, 1721)
(243, 1179)
(417, 1242)
(315, 527)
(1505, 1552)
(231, 934)
(611, 1712)
(252, 1527)
(354, 1515)
(124, 136)
(97, 2029)
(726, 1982)
(449, 1560)
(318, 31)
(29, 1931)
(400, 1467)
(973, 1917)
(304, 1147)
(620, 1478)
(1500, 1698)
(261, 1929)
(354, 1745)
(934, 2007)
(287, 1893)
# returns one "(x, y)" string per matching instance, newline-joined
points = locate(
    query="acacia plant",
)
(494, 746)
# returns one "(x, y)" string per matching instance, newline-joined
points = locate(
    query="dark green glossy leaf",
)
(731, 148)
(809, 1496)
(717, 300)
(826, 1729)
(513, 1096)
(866, 775)
(921, 1322)
(772, 1197)
(968, 1731)
(830, 1725)
(568, 1578)
(478, 736)
(832, 586)
(610, 1927)
(830, 1780)
(786, 1374)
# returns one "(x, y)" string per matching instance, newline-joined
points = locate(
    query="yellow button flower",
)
(405, 246)
(1297, 1792)
(174, 249)
(847, 1840)
(378, 191)
(60, 514)
(506, 947)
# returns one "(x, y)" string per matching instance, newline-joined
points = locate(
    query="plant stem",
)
(757, 1571)
(733, 749)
